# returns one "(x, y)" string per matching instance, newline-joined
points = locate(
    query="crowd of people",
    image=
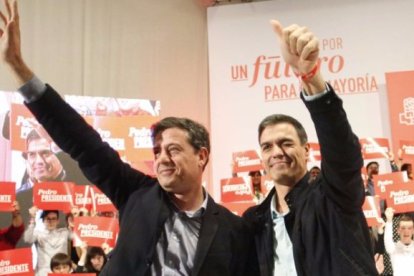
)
(306, 225)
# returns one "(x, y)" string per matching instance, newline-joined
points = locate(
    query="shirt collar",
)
(195, 213)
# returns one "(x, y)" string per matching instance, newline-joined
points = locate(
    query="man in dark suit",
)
(317, 227)
(169, 224)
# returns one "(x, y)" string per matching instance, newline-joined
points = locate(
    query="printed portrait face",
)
(42, 163)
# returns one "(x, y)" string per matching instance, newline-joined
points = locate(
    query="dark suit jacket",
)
(225, 246)
(325, 222)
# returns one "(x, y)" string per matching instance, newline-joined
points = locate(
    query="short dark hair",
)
(60, 259)
(405, 217)
(47, 212)
(32, 135)
(253, 173)
(198, 136)
(405, 166)
(371, 163)
(315, 167)
(276, 119)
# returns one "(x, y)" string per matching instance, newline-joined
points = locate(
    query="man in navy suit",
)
(168, 224)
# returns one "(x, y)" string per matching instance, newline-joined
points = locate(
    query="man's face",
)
(97, 262)
(372, 169)
(51, 221)
(62, 269)
(406, 231)
(314, 172)
(284, 157)
(43, 163)
(177, 165)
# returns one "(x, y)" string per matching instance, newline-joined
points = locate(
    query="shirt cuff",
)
(32, 90)
(309, 98)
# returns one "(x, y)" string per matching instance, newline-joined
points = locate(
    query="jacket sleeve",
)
(341, 152)
(13, 233)
(98, 161)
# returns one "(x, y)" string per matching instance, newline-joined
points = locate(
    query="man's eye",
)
(173, 150)
(265, 147)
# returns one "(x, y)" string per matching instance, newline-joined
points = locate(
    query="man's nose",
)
(277, 151)
(39, 158)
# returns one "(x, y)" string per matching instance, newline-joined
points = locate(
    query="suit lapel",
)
(208, 231)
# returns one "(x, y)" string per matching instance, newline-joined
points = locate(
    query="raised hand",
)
(10, 43)
(300, 49)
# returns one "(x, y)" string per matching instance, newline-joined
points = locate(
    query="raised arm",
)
(98, 161)
(388, 241)
(341, 153)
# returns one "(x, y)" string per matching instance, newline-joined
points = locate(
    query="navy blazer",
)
(225, 246)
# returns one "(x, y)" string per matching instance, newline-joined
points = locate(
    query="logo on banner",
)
(314, 152)
(116, 143)
(407, 148)
(401, 197)
(82, 196)
(235, 189)
(53, 195)
(407, 116)
(383, 182)
(142, 137)
(373, 148)
(101, 203)
(16, 262)
(246, 161)
(96, 230)
(7, 195)
(371, 209)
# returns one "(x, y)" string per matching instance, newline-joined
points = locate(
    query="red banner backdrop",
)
(314, 152)
(384, 182)
(400, 87)
(371, 209)
(373, 148)
(96, 231)
(407, 148)
(235, 189)
(16, 262)
(82, 196)
(246, 161)
(101, 203)
(400, 197)
(7, 195)
(53, 195)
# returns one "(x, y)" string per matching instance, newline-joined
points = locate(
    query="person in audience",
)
(177, 227)
(48, 241)
(317, 229)
(407, 167)
(256, 184)
(10, 236)
(401, 252)
(314, 173)
(61, 264)
(372, 169)
(92, 259)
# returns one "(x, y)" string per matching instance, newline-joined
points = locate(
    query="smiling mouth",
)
(166, 171)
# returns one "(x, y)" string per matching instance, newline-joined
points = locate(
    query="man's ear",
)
(203, 157)
(307, 151)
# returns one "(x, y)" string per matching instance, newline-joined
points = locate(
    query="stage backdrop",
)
(361, 43)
